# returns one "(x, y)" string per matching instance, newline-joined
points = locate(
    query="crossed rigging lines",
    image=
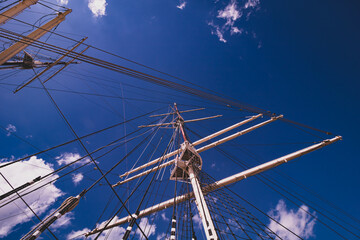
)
(118, 125)
(138, 74)
(12, 36)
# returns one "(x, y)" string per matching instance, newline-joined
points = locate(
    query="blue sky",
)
(300, 59)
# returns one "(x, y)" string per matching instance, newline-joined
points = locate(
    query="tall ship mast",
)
(145, 154)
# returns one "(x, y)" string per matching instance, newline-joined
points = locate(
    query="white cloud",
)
(147, 228)
(110, 234)
(251, 4)
(62, 222)
(67, 158)
(163, 216)
(97, 7)
(10, 129)
(113, 233)
(63, 2)
(162, 236)
(197, 220)
(232, 13)
(40, 200)
(235, 30)
(78, 234)
(297, 221)
(76, 178)
(181, 5)
(217, 31)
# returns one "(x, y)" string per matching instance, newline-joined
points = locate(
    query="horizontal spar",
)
(238, 134)
(207, 147)
(222, 183)
(172, 113)
(171, 154)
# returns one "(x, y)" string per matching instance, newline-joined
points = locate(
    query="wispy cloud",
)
(79, 234)
(68, 157)
(298, 222)
(62, 222)
(216, 30)
(235, 30)
(39, 200)
(10, 129)
(232, 14)
(76, 178)
(149, 229)
(162, 236)
(182, 5)
(97, 7)
(163, 216)
(197, 221)
(63, 2)
(251, 4)
(110, 234)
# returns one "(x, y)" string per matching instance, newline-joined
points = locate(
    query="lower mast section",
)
(202, 207)
(186, 168)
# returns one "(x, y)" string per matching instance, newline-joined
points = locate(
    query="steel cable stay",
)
(290, 157)
(213, 203)
(116, 212)
(133, 191)
(312, 207)
(161, 82)
(81, 137)
(60, 169)
(118, 56)
(153, 188)
(215, 210)
(242, 213)
(268, 179)
(307, 212)
(133, 218)
(84, 77)
(317, 196)
(27, 205)
(78, 160)
(252, 155)
(138, 185)
(252, 205)
(9, 5)
(91, 94)
(179, 87)
(305, 201)
(37, 180)
(175, 84)
(73, 201)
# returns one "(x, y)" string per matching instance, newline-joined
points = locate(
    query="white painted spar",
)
(224, 182)
(238, 134)
(274, 163)
(171, 154)
(214, 135)
(207, 147)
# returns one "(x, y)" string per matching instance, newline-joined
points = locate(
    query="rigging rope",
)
(155, 80)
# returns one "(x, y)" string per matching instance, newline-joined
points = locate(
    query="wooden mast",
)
(27, 40)
(15, 10)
